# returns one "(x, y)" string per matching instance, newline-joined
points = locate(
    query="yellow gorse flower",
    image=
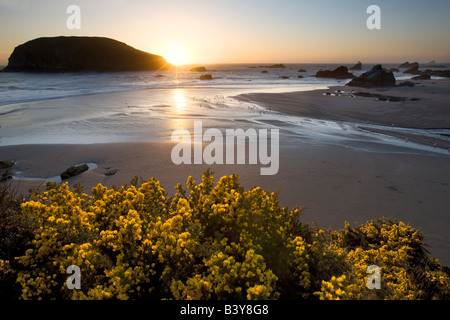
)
(216, 241)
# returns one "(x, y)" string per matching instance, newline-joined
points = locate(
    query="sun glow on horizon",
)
(176, 55)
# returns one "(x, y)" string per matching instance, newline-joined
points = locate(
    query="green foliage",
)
(212, 241)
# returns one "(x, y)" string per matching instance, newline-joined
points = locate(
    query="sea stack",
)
(338, 73)
(376, 77)
(81, 54)
(409, 65)
(357, 66)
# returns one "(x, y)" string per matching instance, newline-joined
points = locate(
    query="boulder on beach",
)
(376, 77)
(206, 77)
(338, 73)
(74, 171)
(357, 66)
(283, 77)
(409, 65)
(199, 69)
(300, 77)
(406, 84)
(81, 54)
(111, 172)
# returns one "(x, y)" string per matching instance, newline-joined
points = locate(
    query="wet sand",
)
(426, 106)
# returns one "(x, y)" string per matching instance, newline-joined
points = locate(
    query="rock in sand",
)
(74, 171)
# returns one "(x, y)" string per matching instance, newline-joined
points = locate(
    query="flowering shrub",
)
(216, 241)
(397, 249)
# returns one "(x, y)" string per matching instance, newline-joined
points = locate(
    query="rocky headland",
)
(81, 54)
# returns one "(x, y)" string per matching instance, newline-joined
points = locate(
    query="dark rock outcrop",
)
(111, 172)
(283, 77)
(413, 70)
(301, 70)
(438, 73)
(380, 97)
(409, 65)
(74, 171)
(435, 66)
(81, 54)
(206, 77)
(406, 84)
(199, 69)
(421, 77)
(338, 73)
(376, 77)
(274, 66)
(357, 66)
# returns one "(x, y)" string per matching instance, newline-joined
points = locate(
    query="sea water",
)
(78, 108)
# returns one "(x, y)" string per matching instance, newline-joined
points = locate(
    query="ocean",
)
(27, 87)
(80, 108)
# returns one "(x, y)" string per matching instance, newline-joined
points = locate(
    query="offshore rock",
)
(81, 54)
(376, 77)
(206, 77)
(198, 69)
(413, 70)
(409, 65)
(357, 66)
(338, 73)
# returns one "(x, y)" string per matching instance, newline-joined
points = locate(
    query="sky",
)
(243, 31)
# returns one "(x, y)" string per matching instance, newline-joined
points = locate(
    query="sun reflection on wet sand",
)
(179, 100)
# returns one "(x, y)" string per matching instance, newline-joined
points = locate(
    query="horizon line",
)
(265, 64)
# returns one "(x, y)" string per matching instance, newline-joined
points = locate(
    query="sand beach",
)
(334, 183)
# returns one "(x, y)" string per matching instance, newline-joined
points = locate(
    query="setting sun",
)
(176, 55)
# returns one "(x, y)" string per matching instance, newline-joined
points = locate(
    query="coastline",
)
(336, 183)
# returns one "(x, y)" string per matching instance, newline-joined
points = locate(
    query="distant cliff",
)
(81, 54)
